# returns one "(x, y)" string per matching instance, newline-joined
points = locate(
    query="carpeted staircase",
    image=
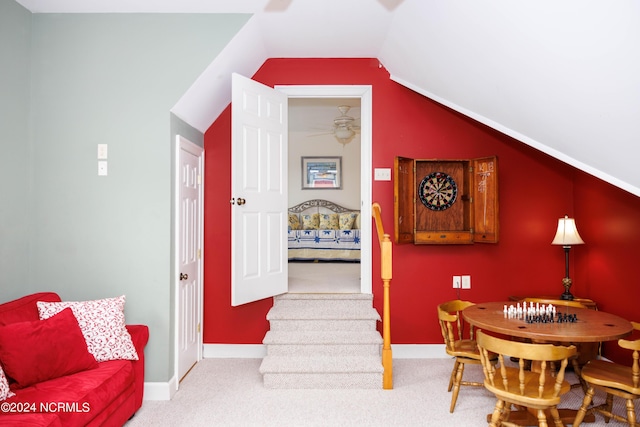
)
(322, 341)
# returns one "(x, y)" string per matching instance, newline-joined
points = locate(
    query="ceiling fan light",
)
(343, 133)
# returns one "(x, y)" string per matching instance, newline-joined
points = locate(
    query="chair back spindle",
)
(514, 384)
(615, 380)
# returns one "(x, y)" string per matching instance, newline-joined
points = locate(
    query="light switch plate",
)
(102, 151)
(456, 282)
(382, 174)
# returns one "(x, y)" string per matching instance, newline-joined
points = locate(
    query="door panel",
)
(259, 191)
(188, 250)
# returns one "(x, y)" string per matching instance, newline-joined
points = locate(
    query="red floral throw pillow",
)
(102, 324)
(5, 393)
(33, 352)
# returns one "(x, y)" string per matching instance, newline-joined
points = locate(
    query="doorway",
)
(312, 111)
(260, 119)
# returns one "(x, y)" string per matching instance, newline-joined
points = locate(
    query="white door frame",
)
(364, 92)
(180, 143)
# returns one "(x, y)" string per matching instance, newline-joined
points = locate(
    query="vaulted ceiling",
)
(563, 77)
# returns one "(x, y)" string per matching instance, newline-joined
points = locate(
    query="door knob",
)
(241, 201)
(184, 276)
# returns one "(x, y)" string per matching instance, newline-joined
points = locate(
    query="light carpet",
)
(229, 392)
(324, 277)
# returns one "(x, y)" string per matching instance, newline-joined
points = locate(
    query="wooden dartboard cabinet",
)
(446, 201)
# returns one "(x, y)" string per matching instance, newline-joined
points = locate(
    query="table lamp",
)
(567, 235)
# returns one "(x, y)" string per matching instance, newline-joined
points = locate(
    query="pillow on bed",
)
(347, 219)
(310, 221)
(294, 221)
(329, 221)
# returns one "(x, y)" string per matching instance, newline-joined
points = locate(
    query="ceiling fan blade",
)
(320, 134)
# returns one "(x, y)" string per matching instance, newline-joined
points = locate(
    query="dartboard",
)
(438, 191)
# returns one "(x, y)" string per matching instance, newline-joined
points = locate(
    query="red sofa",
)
(106, 395)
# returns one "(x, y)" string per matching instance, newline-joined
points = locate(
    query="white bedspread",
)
(324, 245)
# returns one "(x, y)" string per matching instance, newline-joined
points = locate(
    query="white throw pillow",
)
(5, 392)
(102, 324)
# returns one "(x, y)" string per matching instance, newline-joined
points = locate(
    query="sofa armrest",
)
(140, 337)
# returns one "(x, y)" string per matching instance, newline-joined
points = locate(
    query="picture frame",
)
(322, 173)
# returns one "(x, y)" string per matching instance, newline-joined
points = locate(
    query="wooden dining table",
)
(590, 326)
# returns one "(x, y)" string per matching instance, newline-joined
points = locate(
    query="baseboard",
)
(165, 391)
(418, 351)
(234, 351)
(159, 390)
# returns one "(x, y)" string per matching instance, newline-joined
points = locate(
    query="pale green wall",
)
(15, 177)
(105, 78)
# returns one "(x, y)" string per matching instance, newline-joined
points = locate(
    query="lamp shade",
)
(567, 233)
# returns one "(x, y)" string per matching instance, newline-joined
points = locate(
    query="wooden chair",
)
(575, 362)
(513, 384)
(615, 380)
(459, 343)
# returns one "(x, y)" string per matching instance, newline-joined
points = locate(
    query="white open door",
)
(259, 191)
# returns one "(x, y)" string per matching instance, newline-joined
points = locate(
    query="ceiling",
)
(316, 115)
(563, 77)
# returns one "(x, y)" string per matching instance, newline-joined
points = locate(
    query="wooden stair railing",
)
(385, 275)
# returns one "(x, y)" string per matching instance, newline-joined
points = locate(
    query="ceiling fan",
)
(344, 126)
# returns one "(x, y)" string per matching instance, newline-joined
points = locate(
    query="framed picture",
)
(322, 173)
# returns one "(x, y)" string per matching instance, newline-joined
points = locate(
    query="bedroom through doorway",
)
(325, 129)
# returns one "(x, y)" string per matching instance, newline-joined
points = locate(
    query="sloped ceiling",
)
(563, 77)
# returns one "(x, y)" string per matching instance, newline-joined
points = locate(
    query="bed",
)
(320, 230)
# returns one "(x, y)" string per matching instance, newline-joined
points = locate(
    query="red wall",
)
(610, 226)
(535, 190)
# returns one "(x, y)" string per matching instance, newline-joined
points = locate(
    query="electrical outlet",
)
(456, 282)
(466, 282)
(102, 168)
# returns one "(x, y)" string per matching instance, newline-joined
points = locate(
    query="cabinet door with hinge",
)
(403, 199)
(446, 201)
(485, 199)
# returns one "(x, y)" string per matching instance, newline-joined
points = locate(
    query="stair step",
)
(322, 313)
(322, 372)
(322, 337)
(321, 364)
(326, 343)
(343, 305)
(300, 296)
(323, 341)
(328, 324)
